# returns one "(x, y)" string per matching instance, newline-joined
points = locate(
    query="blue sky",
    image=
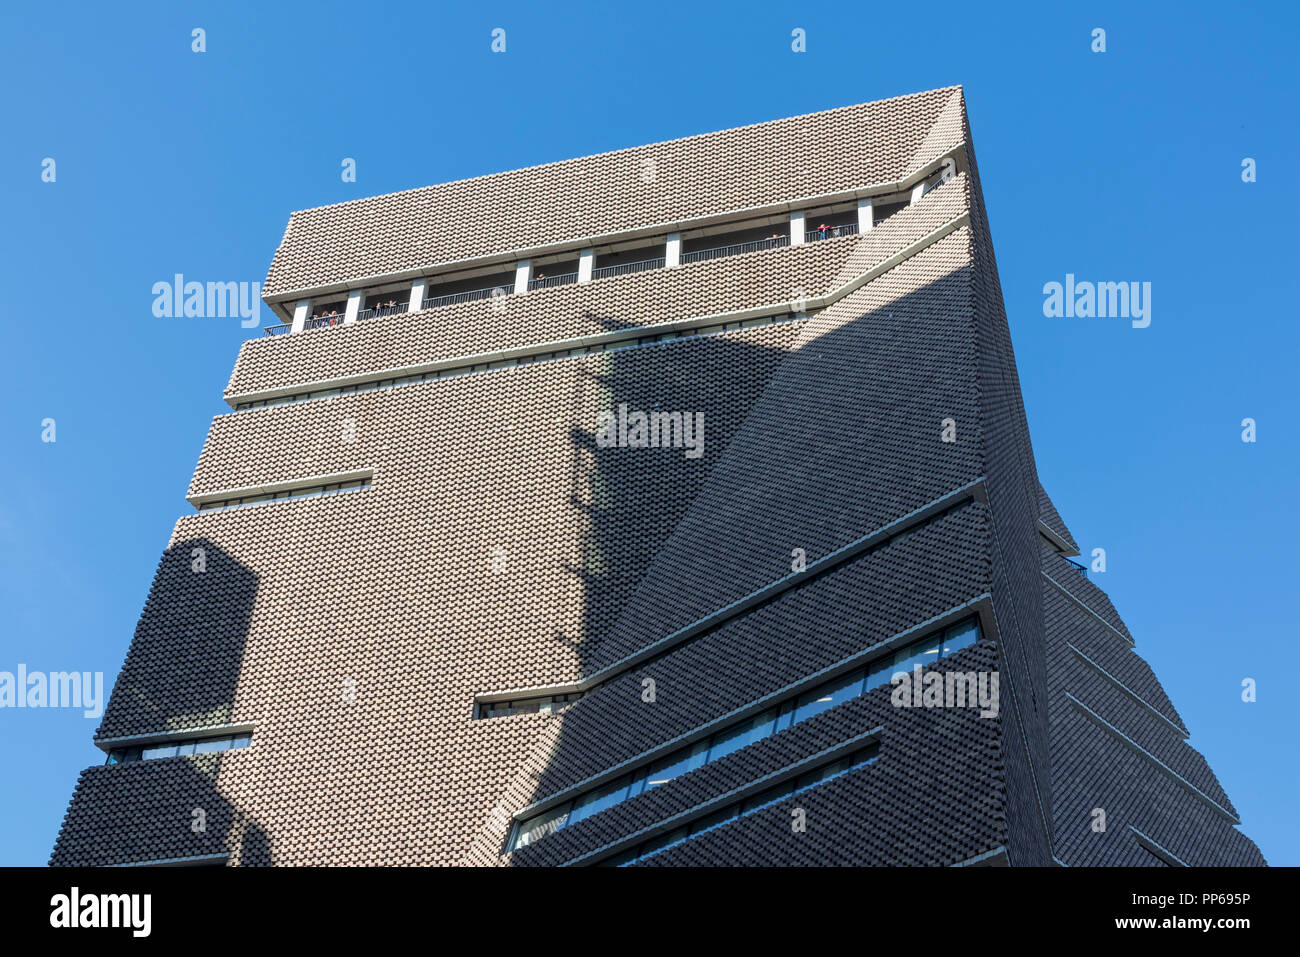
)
(1123, 165)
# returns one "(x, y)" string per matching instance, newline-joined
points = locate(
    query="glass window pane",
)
(866, 755)
(664, 840)
(242, 740)
(598, 800)
(159, 751)
(183, 749)
(817, 775)
(678, 763)
(212, 744)
(618, 860)
(743, 734)
(537, 827)
(638, 785)
(828, 695)
(786, 716)
(879, 673)
(717, 817)
(765, 797)
(960, 636)
(919, 653)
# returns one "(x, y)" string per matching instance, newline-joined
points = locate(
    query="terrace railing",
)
(830, 232)
(563, 279)
(624, 269)
(735, 249)
(469, 295)
(384, 310)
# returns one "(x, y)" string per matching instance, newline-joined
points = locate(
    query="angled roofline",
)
(629, 149)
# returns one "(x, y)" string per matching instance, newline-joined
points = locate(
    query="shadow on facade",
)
(182, 671)
(874, 387)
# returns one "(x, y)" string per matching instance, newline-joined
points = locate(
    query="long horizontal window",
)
(737, 809)
(545, 704)
(647, 338)
(174, 749)
(312, 491)
(742, 733)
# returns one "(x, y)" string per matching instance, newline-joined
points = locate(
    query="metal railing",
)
(312, 322)
(563, 279)
(735, 249)
(1083, 569)
(830, 232)
(624, 269)
(468, 296)
(383, 310)
(319, 322)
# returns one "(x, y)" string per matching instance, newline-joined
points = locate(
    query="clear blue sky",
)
(1116, 166)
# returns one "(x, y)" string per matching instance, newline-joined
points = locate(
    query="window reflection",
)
(751, 730)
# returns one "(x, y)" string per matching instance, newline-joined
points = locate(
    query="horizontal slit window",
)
(310, 491)
(738, 809)
(182, 748)
(750, 730)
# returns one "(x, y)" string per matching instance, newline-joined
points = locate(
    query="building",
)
(583, 514)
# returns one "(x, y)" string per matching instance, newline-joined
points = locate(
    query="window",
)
(174, 749)
(310, 491)
(750, 730)
(596, 801)
(741, 735)
(828, 695)
(536, 828)
(960, 636)
(678, 763)
(922, 653)
(738, 809)
(879, 673)
(546, 704)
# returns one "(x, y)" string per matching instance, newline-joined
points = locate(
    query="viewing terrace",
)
(670, 251)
